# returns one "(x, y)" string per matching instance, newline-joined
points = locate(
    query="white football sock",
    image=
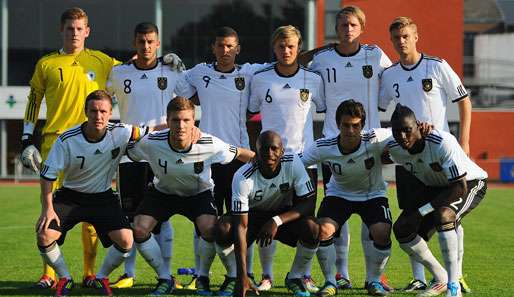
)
(367, 246)
(378, 257)
(151, 252)
(449, 249)
(342, 248)
(418, 270)
(418, 249)
(249, 259)
(326, 258)
(196, 252)
(266, 256)
(52, 256)
(165, 240)
(228, 259)
(206, 252)
(130, 262)
(112, 260)
(301, 260)
(460, 237)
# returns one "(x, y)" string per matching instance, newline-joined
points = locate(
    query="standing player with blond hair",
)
(65, 78)
(425, 84)
(353, 70)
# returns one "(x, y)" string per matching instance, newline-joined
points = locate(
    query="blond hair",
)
(179, 103)
(352, 10)
(284, 32)
(402, 22)
(74, 13)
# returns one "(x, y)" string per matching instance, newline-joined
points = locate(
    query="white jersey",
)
(253, 192)
(185, 173)
(88, 167)
(356, 77)
(425, 88)
(285, 104)
(441, 162)
(224, 100)
(143, 94)
(356, 176)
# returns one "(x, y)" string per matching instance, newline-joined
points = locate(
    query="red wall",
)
(440, 26)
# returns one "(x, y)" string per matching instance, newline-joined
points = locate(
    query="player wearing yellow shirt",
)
(65, 78)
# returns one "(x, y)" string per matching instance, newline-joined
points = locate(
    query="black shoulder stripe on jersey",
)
(326, 140)
(392, 66)
(433, 139)
(432, 134)
(328, 49)
(157, 137)
(250, 171)
(43, 171)
(271, 67)
(310, 194)
(460, 98)
(433, 58)
(310, 70)
(370, 47)
(392, 144)
(205, 140)
(68, 135)
(111, 126)
(287, 157)
(79, 128)
(452, 179)
(325, 143)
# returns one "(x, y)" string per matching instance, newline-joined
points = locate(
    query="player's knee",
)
(403, 231)
(223, 232)
(444, 219)
(326, 231)
(310, 235)
(140, 233)
(381, 233)
(123, 238)
(44, 238)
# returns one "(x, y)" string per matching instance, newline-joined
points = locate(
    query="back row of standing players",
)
(284, 91)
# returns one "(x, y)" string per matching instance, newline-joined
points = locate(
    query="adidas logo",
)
(287, 86)
(179, 161)
(98, 152)
(348, 64)
(410, 79)
(222, 77)
(272, 186)
(144, 76)
(351, 161)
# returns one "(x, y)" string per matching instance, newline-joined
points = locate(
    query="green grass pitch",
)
(488, 261)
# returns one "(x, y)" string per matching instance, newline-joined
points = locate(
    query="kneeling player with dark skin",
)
(263, 210)
(87, 155)
(453, 186)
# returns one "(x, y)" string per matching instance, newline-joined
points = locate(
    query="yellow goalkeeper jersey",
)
(65, 80)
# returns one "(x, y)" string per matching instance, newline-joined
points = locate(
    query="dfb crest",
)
(198, 167)
(162, 82)
(436, 167)
(367, 71)
(304, 95)
(240, 83)
(369, 163)
(427, 84)
(115, 152)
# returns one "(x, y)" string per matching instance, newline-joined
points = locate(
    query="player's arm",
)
(305, 57)
(240, 207)
(245, 155)
(30, 156)
(465, 123)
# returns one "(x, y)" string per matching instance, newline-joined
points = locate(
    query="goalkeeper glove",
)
(30, 156)
(174, 62)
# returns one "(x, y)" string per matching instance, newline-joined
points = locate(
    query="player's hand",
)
(244, 285)
(196, 134)
(267, 233)
(174, 62)
(47, 216)
(425, 128)
(30, 156)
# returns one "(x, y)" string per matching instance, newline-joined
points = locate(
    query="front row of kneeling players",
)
(273, 196)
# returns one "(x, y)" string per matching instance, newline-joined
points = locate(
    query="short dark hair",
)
(98, 95)
(351, 108)
(401, 112)
(226, 32)
(179, 103)
(74, 13)
(145, 28)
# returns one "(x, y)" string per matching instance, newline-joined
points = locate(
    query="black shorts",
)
(222, 175)
(476, 192)
(162, 206)
(372, 211)
(134, 178)
(102, 210)
(288, 233)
